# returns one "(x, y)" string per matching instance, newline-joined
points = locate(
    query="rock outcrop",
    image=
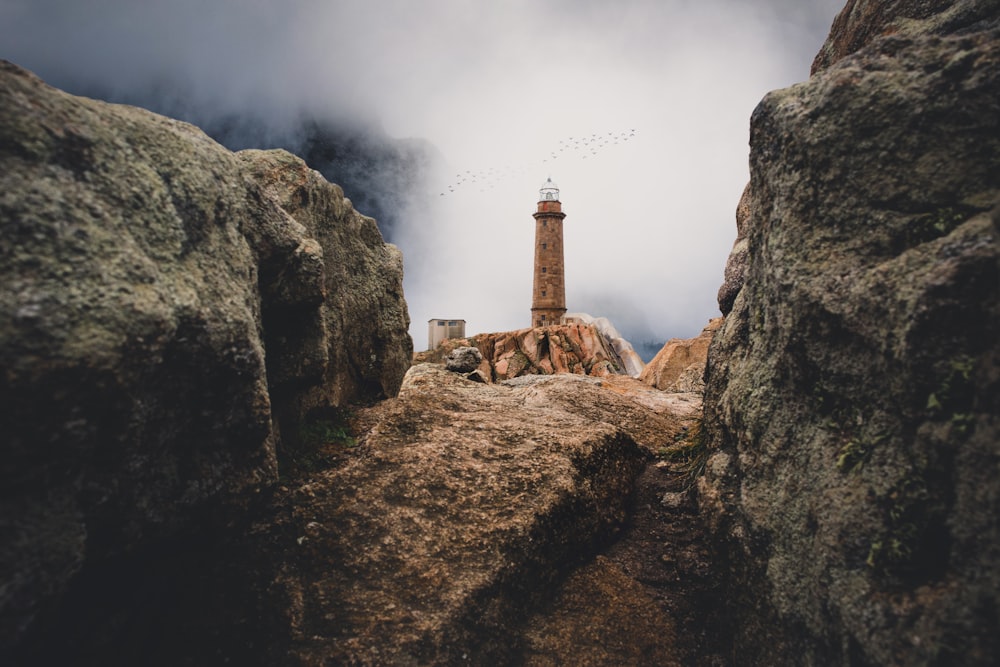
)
(680, 365)
(460, 510)
(736, 265)
(631, 361)
(463, 360)
(563, 348)
(853, 391)
(167, 308)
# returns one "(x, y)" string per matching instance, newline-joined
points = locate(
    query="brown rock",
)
(680, 365)
(578, 633)
(862, 22)
(566, 348)
(462, 507)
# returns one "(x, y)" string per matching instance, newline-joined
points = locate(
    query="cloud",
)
(493, 86)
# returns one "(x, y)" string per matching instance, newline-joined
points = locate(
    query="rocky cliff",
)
(173, 315)
(853, 390)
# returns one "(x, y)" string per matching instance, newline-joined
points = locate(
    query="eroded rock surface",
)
(680, 365)
(736, 264)
(166, 309)
(631, 362)
(464, 506)
(853, 391)
(580, 349)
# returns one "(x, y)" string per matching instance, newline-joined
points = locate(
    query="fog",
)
(504, 91)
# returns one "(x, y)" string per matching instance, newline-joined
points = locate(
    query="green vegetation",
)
(318, 432)
(906, 510)
(689, 452)
(857, 451)
(936, 224)
(310, 448)
(954, 397)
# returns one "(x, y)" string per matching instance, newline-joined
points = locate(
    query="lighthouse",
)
(548, 297)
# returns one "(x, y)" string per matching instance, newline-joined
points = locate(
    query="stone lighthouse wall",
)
(548, 299)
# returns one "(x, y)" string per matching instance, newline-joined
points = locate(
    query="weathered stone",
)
(464, 505)
(630, 360)
(463, 359)
(349, 341)
(566, 348)
(861, 22)
(600, 612)
(853, 391)
(162, 299)
(736, 265)
(680, 365)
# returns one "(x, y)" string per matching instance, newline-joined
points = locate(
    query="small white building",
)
(440, 330)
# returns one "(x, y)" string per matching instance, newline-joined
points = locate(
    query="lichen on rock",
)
(853, 504)
(167, 309)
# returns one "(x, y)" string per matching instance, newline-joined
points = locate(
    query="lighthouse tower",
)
(548, 296)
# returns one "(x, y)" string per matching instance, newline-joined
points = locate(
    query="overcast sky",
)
(498, 86)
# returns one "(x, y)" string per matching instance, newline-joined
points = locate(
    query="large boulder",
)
(347, 340)
(854, 390)
(680, 365)
(167, 308)
(461, 511)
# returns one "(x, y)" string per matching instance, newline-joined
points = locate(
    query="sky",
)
(502, 90)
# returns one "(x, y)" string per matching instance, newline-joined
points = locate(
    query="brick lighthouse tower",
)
(548, 296)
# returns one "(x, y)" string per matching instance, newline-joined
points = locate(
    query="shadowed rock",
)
(852, 394)
(167, 308)
(680, 365)
(464, 507)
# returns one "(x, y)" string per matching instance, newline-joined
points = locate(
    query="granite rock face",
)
(853, 391)
(461, 510)
(166, 309)
(736, 264)
(580, 349)
(335, 320)
(863, 21)
(680, 365)
(631, 362)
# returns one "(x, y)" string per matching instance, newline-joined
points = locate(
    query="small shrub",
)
(688, 453)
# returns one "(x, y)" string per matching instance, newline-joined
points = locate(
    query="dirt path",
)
(648, 599)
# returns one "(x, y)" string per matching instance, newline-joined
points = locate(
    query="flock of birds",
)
(582, 147)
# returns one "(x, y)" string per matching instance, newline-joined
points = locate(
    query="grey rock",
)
(855, 383)
(167, 308)
(463, 360)
(736, 265)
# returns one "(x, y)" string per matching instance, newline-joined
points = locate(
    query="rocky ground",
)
(647, 599)
(441, 538)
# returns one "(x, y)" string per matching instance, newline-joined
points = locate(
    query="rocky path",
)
(647, 599)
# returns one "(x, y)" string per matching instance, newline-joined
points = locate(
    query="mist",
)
(499, 91)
